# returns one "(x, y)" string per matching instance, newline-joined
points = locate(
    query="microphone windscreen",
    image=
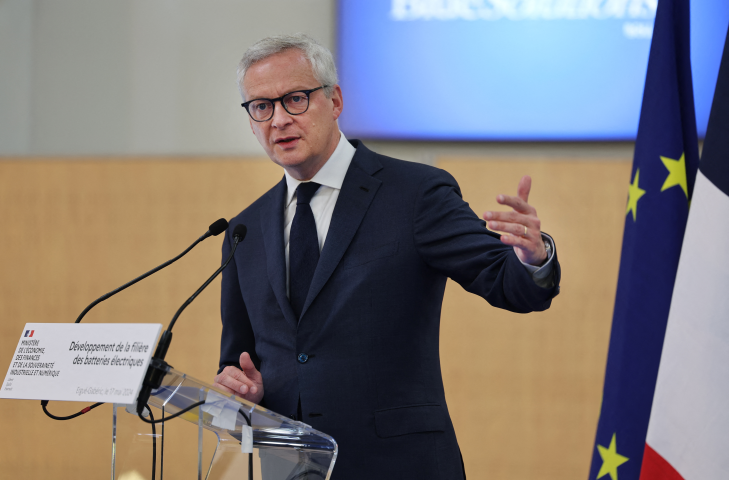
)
(240, 231)
(218, 226)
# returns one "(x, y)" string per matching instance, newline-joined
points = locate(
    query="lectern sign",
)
(80, 362)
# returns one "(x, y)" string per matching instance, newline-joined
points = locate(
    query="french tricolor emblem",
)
(29, 333)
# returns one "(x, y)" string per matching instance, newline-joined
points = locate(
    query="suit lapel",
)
(272, 228)
(358, 191)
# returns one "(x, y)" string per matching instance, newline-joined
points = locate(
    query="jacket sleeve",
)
(237, 336)
(454, 241)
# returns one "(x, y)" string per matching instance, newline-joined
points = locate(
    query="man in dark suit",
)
(331, 307)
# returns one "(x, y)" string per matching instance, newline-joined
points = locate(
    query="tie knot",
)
(305, 191)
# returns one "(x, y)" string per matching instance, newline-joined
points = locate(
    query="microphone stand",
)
(216, 228)
(158, 368)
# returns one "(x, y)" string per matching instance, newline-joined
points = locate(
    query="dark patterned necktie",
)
(303, 247)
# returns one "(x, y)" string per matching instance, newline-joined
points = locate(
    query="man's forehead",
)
(282, 72)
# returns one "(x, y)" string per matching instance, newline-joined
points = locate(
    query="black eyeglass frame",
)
(280, 100)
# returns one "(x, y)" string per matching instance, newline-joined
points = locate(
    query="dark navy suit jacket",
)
(370, 324)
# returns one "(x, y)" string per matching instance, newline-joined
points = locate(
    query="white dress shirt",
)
(330, 177)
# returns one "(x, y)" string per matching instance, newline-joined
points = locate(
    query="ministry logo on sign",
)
(29, 333)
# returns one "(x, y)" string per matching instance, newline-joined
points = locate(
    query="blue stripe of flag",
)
(715, 156)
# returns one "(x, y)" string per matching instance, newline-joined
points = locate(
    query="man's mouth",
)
(285, 140)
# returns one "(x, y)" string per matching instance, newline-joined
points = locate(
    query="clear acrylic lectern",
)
(223, 437)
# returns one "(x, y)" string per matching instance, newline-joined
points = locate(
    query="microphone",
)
(216, 228)
(158, 368)
(239, 233)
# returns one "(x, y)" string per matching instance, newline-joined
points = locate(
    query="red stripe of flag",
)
(655, 467)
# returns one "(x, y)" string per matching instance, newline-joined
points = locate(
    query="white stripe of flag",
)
(689, 425)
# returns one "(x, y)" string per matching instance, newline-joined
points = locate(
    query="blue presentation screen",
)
(509, 69)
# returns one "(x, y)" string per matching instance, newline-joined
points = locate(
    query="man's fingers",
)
(235, 380)
(516, 203)
(512, 222)
(512, 217)
(515, 241)
(248, 368)
(227, 383)
(516, 229)
(246, 364)
(525, 185)
(521, 226)
(222, 387)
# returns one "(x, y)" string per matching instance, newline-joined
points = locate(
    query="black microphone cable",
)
(152, 421)
(44, 404)
(216, 228)
(166, 418)
(154, 443)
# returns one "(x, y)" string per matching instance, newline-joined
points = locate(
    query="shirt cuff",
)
(542, 275)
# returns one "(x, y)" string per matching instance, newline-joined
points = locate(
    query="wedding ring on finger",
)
(525, 231)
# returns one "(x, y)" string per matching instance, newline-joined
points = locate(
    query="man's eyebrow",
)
(290, 91)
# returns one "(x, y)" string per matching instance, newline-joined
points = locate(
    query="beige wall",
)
(523, 391)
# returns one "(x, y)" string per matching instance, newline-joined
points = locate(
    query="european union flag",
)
(664, 169)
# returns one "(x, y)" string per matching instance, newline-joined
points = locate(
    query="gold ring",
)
(525, 231)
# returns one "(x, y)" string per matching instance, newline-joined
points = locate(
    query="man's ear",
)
(337, 101)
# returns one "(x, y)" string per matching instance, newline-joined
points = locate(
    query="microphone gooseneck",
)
(239, 234)
(157, 365)
(216, 228)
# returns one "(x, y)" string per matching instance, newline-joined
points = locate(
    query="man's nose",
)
(281, 117)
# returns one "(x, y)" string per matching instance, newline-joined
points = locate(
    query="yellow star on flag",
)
(634, 194)
(611, 460)
(676, 173)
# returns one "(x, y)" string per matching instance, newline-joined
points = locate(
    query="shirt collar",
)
(331, 174)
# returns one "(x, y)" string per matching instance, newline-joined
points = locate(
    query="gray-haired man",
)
(331, 311)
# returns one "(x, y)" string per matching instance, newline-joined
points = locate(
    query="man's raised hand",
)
(246, 382)
(521, 225)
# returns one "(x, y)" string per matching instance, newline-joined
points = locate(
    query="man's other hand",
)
(521, 225)
(246, 382)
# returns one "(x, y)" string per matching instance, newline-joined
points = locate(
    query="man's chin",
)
(287, 160)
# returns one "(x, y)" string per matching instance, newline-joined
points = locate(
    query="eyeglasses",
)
(296, 103)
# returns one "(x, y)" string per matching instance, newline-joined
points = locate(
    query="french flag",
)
(688, 433)
(29, 333)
